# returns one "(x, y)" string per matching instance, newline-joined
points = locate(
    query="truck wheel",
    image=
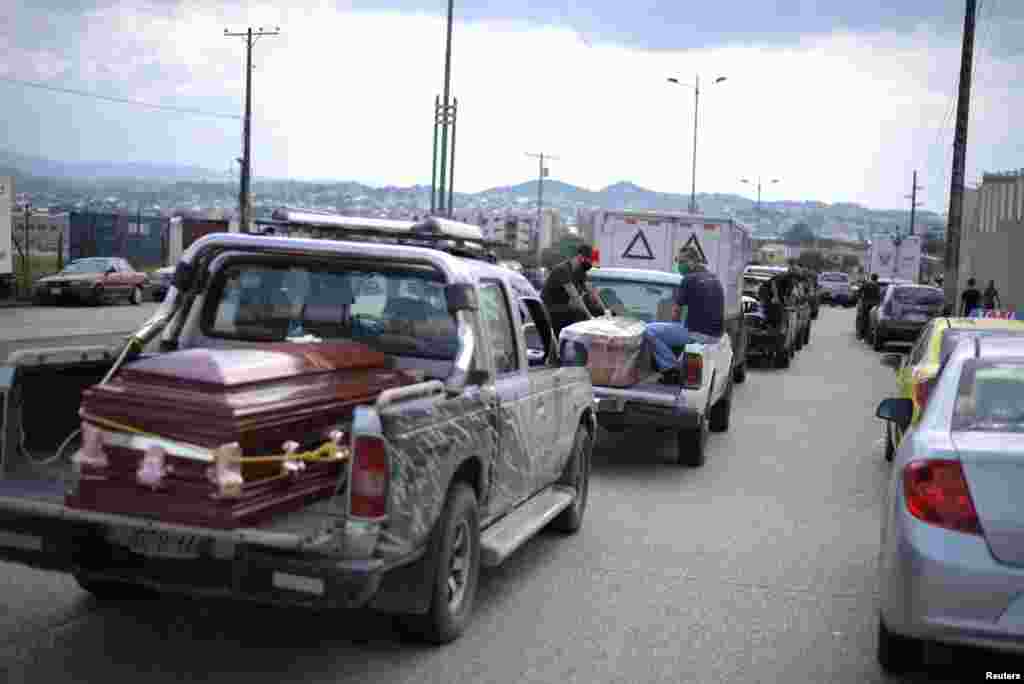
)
(455, 553)
(878, 342)
(897, 654)
(97, 295)
(782, 358)
(106, 590)
(739, 373)
(136, 297)
(690, 443)
(890, 446)
(718, 417)
(577, 476)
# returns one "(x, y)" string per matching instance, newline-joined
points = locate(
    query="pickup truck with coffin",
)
(314, 422)
(626, 382)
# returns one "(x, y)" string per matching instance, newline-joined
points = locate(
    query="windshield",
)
(952, 337)
(89, 266)
(402, 312)
(835, 277)
(918, 295)
(646, 301)
(990, 397)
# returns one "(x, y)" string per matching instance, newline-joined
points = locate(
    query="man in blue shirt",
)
(702, 296)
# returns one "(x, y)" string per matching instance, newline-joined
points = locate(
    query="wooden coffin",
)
(615, 350)
(259, 398)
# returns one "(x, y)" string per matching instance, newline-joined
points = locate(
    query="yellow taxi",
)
(916, 371)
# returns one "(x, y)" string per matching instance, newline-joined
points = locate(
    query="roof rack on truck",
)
(454, 237)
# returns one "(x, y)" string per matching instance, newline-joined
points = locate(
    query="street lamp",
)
(748, 182)
(696, 103)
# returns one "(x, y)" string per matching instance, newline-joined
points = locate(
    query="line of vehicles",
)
(363, 421)
(951, 566)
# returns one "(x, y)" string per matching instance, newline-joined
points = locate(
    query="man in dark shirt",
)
(970, 299)
(562, 293)
(702, 295)
(870, 295)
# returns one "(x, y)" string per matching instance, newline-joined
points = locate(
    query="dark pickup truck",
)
(311, 422)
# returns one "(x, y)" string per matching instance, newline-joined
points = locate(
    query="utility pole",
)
(244, 209)
(542, 173)
(914, 204)
(956, 190)
(27, 251)
(693, 173)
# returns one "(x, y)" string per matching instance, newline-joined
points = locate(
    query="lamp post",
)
(749, 182)
(696, 105)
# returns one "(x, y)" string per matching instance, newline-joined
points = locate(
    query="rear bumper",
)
(657, 406)
(229, 564)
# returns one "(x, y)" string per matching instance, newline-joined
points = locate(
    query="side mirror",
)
(896, 410)
(893, 361)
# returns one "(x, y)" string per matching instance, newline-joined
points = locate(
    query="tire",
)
(136, 296)
(739, 373)
(106, 590)
(691, 445)
(457, 533)
(782, 358)
(877, 341)
(576, 475)
(718, 417)
(890, 446)
(97, 296)
(897, 654)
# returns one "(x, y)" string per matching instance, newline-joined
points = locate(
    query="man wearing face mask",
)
(698, 315)
(566, 290)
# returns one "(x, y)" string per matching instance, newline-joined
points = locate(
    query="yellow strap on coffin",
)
(328, 451)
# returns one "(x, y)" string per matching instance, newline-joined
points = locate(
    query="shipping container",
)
(142, 240)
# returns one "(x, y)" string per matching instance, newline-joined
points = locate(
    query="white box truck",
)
(895, 258)
(6, 246)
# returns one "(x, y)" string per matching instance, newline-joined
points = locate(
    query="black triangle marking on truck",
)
(694, 242)
(639, 237)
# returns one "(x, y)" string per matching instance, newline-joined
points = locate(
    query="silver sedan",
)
(951, 567)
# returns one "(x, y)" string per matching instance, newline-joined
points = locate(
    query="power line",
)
(120, 100)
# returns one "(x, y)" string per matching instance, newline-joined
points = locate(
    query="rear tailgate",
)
(993, 464)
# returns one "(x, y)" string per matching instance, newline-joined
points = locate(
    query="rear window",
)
(952, 337)
(918, 295)
(402, 312)
(646, 301)
(835, 277)
(990, 397)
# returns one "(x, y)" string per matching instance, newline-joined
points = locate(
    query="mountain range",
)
(197, 185)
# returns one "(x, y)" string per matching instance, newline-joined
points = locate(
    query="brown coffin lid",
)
(234, 367)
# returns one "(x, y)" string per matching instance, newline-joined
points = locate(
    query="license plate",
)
(55, 291)
(157, 543)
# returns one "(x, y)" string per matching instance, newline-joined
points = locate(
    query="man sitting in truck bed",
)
(702, 295)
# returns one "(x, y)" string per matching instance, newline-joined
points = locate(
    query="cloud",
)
(840, 116)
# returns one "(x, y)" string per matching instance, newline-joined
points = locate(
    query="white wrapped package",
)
(615, 349)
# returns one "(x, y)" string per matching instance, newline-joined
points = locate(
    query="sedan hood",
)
(68, 278)
(993, 464)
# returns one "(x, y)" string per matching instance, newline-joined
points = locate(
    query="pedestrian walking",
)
(990, 297)
(970, 299)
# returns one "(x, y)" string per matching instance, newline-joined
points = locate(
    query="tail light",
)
(369, 478)
(226, 471)
(936, 493)
(922, 390)
(91, 454)
(693, 368)
(595, 256)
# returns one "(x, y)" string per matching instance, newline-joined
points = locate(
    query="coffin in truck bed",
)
(616, 353)
(259, 398)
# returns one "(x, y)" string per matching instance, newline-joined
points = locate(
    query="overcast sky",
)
(839, 99)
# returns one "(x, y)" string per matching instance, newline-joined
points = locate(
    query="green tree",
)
(812, 259)
(800, 232)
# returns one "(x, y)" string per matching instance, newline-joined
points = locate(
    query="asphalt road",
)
(758, 567)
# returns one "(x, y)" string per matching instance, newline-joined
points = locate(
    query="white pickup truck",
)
(702, 403)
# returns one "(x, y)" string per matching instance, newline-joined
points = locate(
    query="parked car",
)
(302, 438)
(835, 288)
(952, 544)
(160, 282)
(916, 371)
(904, 311)
(94, 280)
